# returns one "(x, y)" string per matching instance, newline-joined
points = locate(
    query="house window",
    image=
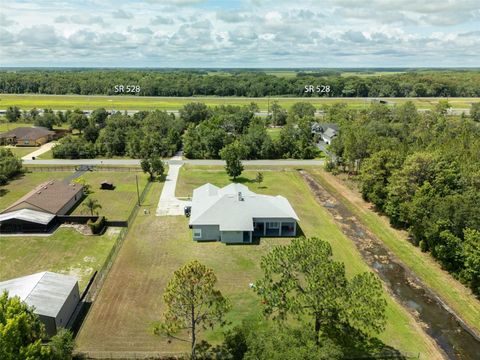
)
(197, 233)
(273, 225)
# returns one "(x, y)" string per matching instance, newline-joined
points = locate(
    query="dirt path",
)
(428, 310)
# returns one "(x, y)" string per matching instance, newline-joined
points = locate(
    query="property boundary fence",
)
(128, 355)
(45, 168)
(96, 284)
(100, 278)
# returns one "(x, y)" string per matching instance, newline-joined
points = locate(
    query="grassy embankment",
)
(455, 295)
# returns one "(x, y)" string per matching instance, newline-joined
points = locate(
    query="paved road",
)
(132, 162)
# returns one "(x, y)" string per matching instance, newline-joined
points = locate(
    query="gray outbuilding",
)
(53, 296)
(234, 214)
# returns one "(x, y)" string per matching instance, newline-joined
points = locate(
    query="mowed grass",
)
(456, 296)
(131, 299)
(274, 133)
(46, 155)
(86, 102)
(66, 251)
(116, 204)
(21, 151)
(7, 126)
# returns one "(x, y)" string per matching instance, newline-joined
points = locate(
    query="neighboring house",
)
(327, 132)
(26, 221)
(27, 136)
(234, 214)
(53, 296)
(54, 197)
(328, 135)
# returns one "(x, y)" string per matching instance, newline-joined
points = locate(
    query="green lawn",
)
(66, 251)
(85, 102)
(21, 151)
(7, 126)
(456, 296)
(274, 133)
(116, 204)
(46, 155)
(157, 246)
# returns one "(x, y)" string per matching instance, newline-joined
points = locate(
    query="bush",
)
(98, 225)
(72, 147)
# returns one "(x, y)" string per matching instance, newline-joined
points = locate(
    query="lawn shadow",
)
(4, 192)
(242, 180)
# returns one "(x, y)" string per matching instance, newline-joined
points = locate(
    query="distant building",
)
(234, 214)
(53, 296)
(327, 132)
(54, 197)
(27, 136)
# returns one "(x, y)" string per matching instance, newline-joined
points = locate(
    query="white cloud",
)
(122, 14)
(241, 33)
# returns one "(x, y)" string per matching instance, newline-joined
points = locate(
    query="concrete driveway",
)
(41, 150)
(169, 205)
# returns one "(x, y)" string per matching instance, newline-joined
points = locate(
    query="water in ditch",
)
(452, 336)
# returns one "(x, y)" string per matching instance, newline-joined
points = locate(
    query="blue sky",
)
(240, 33)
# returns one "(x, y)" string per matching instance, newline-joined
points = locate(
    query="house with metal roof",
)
(53, 296)
(234, 214)
(26, 221)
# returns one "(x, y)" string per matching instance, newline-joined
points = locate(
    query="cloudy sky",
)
(240, 33)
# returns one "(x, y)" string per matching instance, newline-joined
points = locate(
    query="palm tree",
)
(91, 205)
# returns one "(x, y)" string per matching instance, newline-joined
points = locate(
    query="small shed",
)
(106, 185)
(53, 296)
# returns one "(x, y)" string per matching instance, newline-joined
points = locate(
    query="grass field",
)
(274, 133)
(46, 155)
(456, 296)
(7, 126)
(131, 299)
(21, 151)
(66, 251)
(116, 204)
(65, 102)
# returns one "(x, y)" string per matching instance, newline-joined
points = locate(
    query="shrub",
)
(98, 225)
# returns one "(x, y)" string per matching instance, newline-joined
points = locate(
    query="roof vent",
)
(240, 197)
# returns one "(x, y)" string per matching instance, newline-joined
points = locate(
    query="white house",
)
(234, 214)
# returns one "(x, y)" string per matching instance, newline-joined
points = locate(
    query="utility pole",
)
(138, 192)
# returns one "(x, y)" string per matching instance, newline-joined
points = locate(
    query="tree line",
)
(424, 83)
(202, 132)
(422, 171)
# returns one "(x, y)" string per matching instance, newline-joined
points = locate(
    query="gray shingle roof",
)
(234, 207)
(28, 133)
(46, 291)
